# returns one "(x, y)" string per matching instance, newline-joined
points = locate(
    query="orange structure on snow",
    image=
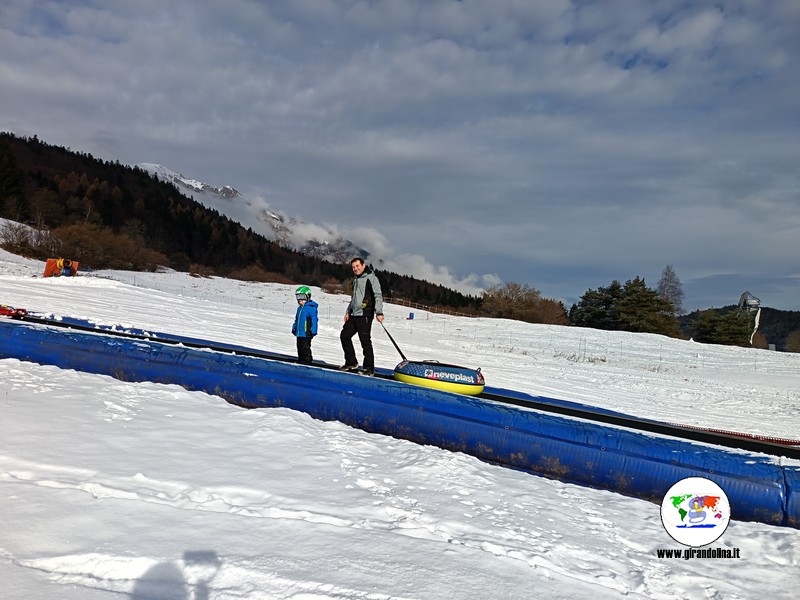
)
(60, 267)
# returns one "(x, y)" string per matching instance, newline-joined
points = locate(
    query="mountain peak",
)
(323, 242)
(193, 185)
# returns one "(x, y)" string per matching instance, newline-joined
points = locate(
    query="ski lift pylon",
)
(749, 303)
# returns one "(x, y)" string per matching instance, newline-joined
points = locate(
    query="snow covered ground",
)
(138, 490)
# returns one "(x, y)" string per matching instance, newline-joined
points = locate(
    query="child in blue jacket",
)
(305, 323)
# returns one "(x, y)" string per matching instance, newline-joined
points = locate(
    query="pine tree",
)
(727, 328)
(704, 326)
(642, 310)
(632, 307)
(598, 308)
(12, 201)
(734, 329)
(670, 288)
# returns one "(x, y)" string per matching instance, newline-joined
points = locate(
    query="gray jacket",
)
(367, 299)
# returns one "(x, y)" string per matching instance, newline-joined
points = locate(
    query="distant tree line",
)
(728, 325)
(635, 307)
(109, 215)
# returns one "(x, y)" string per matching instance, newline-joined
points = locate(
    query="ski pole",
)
(393, 342)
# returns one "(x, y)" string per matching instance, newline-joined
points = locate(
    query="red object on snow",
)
(10, 311)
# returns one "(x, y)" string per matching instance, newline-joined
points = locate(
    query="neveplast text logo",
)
(695, 512)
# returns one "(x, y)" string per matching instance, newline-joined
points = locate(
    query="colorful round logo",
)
(695, 512)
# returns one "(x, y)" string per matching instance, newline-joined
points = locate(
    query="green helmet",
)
(303, 293)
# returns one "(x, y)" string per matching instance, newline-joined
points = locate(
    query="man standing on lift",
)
(365, 304)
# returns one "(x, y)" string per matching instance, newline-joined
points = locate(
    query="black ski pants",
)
(363, 327)
(304, 350)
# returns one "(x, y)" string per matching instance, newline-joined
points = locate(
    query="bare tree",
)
(522, 302)
(15, 235)
(510, 300)
(670, 288)
(793, 341)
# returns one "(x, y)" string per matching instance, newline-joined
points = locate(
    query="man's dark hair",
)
(357, 259)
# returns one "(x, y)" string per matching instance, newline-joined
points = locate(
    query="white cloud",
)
(400, 116)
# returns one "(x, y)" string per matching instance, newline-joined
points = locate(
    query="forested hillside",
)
(109, 215)
(775, 327)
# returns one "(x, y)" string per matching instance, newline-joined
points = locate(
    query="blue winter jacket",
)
(305, 320)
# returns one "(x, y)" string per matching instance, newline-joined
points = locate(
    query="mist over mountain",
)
(325, 242)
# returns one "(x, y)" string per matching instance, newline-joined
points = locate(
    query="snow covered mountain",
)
(320, 241)
(332, 242)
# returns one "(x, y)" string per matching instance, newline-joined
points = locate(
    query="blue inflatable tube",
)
(758, 487)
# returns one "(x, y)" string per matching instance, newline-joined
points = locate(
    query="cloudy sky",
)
(562, 144)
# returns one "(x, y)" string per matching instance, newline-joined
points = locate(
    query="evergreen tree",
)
(670, 288)
(642, 310)
(12, 201)
(704, 326)
(734, 329)
(598, 308)
(632, 307)
(729, 328)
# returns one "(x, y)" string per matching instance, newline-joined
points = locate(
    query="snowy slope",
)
(124, 490)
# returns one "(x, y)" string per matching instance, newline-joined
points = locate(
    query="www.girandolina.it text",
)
(688, 553)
